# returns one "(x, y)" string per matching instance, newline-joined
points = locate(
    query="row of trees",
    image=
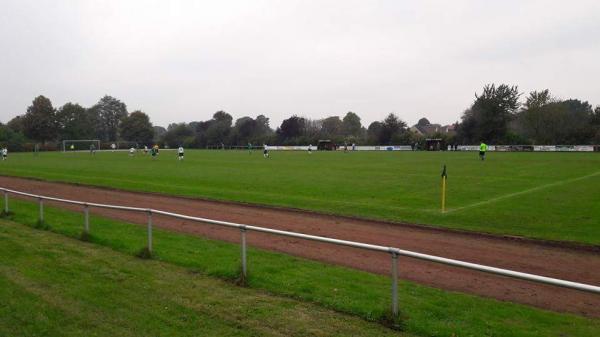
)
(107, 120)
(294, 130)
(496, 116)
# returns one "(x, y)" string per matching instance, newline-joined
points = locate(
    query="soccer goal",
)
(80, 144)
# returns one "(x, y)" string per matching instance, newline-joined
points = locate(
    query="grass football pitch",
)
(552, 196)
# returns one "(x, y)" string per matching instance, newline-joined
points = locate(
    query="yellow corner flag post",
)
(444, 177)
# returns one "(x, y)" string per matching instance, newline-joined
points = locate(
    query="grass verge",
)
(51, 285)
(425, 311)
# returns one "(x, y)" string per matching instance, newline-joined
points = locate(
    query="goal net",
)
(80, 144)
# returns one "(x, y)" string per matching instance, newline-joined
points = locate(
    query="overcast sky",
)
(184, 60)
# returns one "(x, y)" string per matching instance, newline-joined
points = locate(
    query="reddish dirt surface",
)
(572, 264)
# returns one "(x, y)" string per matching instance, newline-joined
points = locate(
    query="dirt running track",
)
(567, 263)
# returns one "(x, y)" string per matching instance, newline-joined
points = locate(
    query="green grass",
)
(51, 285)
(541, 195)
(425, 311)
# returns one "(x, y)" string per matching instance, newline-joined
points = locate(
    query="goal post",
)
(79, 144)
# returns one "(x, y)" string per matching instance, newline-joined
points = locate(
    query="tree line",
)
(496, 116)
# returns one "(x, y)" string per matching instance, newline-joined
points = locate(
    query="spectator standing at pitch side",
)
(180, 153)
(482, 150)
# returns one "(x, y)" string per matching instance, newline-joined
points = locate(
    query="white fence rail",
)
(394, 252)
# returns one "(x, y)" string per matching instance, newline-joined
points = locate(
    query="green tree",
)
(596, 126)
(219, 128)
(423, 122)
(159, 132)
(17, 124)
(351, 125)
(243, 130)
(374, 133)
(575, 120)
(532, 119)
(291, 129)
(489, 117)
(110, 112)
(179, 135)
(75, 122)
(546, 120)
(393, 130)
(332, 128)
(10, 138)
(263, 130)
(137, 127)
(39, 123)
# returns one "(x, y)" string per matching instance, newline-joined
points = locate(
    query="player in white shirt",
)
(4, 153)
(180, 152)
(309, 148)
(131, 151)
(145, 149)
(265, 151)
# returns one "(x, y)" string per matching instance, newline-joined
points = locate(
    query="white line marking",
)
(510, 195)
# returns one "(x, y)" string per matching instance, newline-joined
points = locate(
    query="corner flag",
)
(444, 177)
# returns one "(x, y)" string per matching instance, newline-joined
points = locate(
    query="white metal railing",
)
(394, 252)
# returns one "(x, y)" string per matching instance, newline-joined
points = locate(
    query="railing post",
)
(41, 202)
(86, 216)
(244, 265)
(5, 202)
(150, 231)
(395, 284)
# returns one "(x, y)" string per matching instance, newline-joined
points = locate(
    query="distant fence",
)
(394, 252)
(532, 148)
(492, 148)
(344, 148)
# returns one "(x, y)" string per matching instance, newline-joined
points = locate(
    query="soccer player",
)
(92, 149)
(145, 149)
(72, 147)
(4, 153)
(265, 151)
(153, 152)
(180, 152)
(309, 148)
(131, 151)
(249, 148)
(482, 149)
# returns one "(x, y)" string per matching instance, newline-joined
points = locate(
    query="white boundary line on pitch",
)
(506, 196)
